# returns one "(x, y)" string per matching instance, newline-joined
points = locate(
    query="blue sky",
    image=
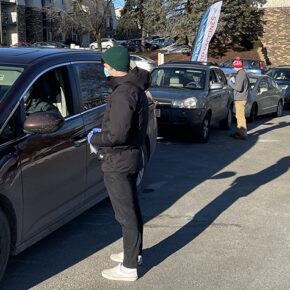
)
(118, 3)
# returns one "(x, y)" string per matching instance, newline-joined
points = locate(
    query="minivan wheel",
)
(141, 172)
(227, 122)
(253, 114)
(279, 111)
(93, 47)
(5, 240)
(203, 131)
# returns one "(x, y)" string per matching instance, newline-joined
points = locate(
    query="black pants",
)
(122, 191)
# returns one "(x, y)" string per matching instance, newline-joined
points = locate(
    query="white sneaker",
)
(120, 258)
(120, 273)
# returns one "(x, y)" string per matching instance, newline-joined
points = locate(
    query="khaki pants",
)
(240, 116)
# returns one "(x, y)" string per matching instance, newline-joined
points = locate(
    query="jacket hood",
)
(137, 77)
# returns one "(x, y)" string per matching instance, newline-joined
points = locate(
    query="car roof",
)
(191, 64)
(25, 56)
(256, 76)
(281, 66)
(245, 59)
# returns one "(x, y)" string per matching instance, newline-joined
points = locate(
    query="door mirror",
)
(262, 90)
(43, 122)
(216, 86)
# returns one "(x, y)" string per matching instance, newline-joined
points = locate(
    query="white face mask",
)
(106, 72)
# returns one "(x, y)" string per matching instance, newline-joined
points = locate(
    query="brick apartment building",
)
(276, 40)
(30, 21)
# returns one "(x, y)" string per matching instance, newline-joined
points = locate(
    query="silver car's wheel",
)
(5, 240)
(203, 132)
(253, 113)
(93, 47)
(279, 111)
(227, 122)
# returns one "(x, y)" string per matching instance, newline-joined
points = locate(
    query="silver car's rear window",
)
(253, 82)
(279, 74)
(8, 76)
(188, 78)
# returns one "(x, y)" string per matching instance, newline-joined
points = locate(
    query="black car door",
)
(53, 164)
(93, 89)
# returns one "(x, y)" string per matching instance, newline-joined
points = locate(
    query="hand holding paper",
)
(94, 149)
(97, 130)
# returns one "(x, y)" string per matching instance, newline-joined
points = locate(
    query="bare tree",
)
(86, 16)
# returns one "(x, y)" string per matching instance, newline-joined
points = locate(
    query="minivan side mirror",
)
(43, 122)
(262, 90)
(216, 86)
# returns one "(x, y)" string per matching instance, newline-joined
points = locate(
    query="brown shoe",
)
(238, 136)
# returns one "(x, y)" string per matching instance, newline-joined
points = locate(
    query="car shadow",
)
(96, 228)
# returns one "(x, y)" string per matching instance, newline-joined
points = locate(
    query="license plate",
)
(158, 113)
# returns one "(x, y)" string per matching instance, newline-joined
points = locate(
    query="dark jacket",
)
(38, 105)
(125, 122)
(241, 86)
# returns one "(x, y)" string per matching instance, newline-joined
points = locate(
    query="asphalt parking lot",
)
(217, 216)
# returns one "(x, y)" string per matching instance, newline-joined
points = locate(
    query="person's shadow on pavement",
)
(241, 187)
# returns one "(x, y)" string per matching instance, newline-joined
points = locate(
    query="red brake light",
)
(261, 65)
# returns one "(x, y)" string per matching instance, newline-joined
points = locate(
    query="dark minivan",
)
(49, 100)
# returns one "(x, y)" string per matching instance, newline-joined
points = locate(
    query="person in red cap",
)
(241, 89)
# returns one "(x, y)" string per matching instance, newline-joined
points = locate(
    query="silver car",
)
(191, 95)
(264, 97)
(143, 62)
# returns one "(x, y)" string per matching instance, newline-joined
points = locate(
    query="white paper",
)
(94, 149)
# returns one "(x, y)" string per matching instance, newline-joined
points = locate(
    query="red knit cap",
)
(237, 63)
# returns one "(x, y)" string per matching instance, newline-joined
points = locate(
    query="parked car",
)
(162, 42)
(135, 45)
(21, 44)
(47, 174)
(143, 62)
(264, 97)
(281, 75)
(151, 38)
(121, 42)
(191, 95)
(58, 44)
(44, 44)
(106, 43)
(249, 65)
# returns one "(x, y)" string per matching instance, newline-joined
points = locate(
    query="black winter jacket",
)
(125, 122)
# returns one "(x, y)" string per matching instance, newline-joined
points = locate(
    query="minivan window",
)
(94, 86)
(188, 78)
(50, 92)
(8, 76)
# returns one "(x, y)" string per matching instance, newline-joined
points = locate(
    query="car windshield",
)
(281, 74)
(179, 78)
(253, 82)
(8, 76)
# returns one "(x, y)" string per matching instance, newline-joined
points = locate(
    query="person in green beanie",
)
(119, 145)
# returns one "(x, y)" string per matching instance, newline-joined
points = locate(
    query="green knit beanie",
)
(117, 57)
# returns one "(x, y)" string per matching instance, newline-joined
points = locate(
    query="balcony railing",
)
(8, 1)
(9, 18)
